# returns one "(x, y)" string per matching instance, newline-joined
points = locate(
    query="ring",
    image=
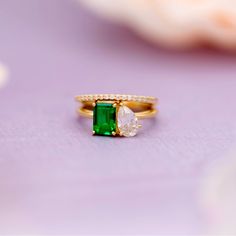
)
(115, 114)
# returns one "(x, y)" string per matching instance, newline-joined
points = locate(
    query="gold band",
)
(143, 106)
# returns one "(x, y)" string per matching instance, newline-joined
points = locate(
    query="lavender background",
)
(57, 178)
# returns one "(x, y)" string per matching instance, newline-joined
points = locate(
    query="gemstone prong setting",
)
(116, 114)
(104, 118)
(127, 122)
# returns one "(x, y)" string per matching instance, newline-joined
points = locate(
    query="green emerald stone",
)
(104, 119)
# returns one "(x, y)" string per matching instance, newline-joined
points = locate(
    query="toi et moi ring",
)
(115, 114)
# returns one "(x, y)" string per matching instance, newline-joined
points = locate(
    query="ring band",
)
(115, 114)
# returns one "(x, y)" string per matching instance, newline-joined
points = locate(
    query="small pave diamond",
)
(127, 122)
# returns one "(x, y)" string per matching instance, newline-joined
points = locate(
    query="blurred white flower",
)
(3, 75)
(175, 23)
(219, 197)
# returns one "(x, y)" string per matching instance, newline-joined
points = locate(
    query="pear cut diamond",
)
(127, 122)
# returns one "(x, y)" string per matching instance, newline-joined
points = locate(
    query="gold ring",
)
(115, 114)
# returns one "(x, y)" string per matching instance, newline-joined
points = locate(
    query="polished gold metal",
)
(143, 106)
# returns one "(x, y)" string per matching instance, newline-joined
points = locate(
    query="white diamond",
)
(127, 122)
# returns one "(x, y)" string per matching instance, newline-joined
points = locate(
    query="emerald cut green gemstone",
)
(104, 119)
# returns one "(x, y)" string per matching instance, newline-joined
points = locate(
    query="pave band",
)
(116, 97)
(115, 114)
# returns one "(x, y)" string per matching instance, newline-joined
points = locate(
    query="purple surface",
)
(57, 178)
